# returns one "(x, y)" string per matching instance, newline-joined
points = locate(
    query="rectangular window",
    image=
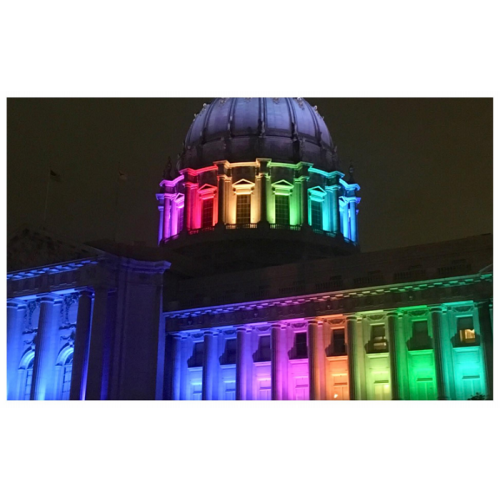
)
(338, 341)
(243, 209)
(420, 336)
(207, 214)
(378, 338)
(282, 206)
(180, 219)
(316, 214)
(301, 346)
(264, 348)
(230, 352)
(197, 354)
(466, 330)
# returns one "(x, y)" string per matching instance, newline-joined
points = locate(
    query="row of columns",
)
(349, 222)
(244, 363)
(356, 357)
(89, 380)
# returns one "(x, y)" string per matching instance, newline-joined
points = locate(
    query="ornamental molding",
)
(344, 302)
(422, 312)
(376, 317)
(336, 322)
(463, 309)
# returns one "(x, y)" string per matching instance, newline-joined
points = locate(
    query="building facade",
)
(257, 290)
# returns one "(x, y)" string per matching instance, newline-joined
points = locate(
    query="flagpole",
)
(116, 206)
(46, 201)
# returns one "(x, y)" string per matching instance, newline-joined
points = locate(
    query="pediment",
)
(28, 248)
(282, 183)
(317, 189)
(244, 183)
(207, 187)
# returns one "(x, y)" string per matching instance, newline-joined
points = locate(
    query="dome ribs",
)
(242, 129)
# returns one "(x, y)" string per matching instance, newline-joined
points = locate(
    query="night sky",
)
(425, 166)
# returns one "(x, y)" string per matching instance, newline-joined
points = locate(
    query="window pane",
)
(243, 209)
(301, 345)
(207, 215)
(317, 214)
(282, 210)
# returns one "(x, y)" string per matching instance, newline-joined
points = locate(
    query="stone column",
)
(160, 224)
(305, 203)
(263, 201)
(354, 388)
(356, 357)
(486, 333)
(187, 208)
(345, 221)
(15, 317)
(436, 313)
(175, 366)
(353, 222)
(82, 346)
(46, 344)
(210, 367)
(335, 210)
(243, 384)
(220, 200)
(313, 338)
(276, 362)
(391, 327)
(100, 344)
(167, 218)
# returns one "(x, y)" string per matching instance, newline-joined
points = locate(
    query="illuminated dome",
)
(243, 129)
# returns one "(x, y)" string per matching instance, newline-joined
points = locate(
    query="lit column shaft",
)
(263, 199)
(167, 217)
(15, 315)
(314, 337)
(276, 362)
(436, 314)
(160, 225)
(46, 344)
(335, 210)
(100, 345)
(82, 346)
(391, 327)
(210, 368)
(345, 221)
(305, 203)
(486, 332)
(175, 367)
(220, 199)
(356, 358)
(353, 223)
(243, 384)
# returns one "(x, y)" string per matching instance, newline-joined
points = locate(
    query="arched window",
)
(66, 377)
(28, 379)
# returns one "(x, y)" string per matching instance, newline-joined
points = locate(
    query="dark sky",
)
(425, 166)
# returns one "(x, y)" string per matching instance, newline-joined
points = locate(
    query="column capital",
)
(50, 298)
(15, 303)
(211, 333)
(312, 321)
(352, 317)
(391, 314)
